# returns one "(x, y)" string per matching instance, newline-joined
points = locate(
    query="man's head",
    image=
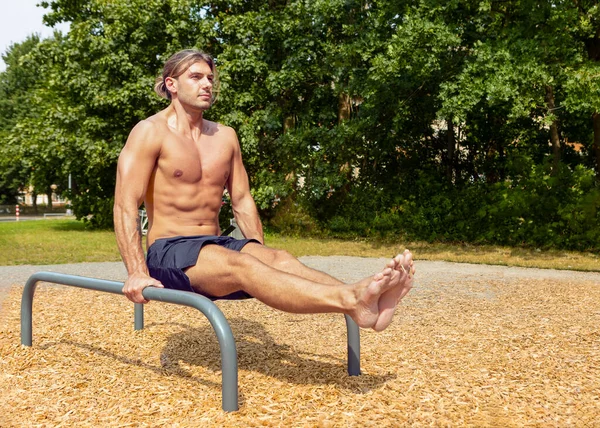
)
(193, 62)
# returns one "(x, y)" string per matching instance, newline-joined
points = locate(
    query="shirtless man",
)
(178, 164)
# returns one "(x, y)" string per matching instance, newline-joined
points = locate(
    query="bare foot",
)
(403, 272)
(369, 291)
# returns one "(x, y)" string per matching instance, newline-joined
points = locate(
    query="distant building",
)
(26, 198)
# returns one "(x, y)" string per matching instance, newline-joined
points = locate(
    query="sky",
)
(20, 18)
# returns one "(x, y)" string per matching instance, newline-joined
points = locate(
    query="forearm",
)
(246, 216)
(129, 238)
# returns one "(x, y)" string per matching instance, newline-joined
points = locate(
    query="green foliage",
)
(292, 219)
(428, 119)
(539, 210)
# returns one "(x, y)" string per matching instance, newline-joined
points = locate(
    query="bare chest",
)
(188, 162)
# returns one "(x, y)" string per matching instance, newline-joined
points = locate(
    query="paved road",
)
(346, 268)
(13, 219)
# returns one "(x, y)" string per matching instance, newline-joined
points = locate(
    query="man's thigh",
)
(217, 270)
(283, 261)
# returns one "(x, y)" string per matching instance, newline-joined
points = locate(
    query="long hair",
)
(176, 66)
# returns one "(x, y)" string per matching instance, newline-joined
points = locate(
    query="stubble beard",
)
(197, 102)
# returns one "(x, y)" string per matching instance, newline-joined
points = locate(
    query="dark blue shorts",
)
(168, 258)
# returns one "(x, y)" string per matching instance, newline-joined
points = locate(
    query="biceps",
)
(239, 185)
(133, 175)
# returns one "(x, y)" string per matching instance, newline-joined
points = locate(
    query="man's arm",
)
(242, 202)
(136, 163)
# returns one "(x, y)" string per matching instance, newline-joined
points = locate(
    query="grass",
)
(44, 242)
(460, 253)
(67, 241)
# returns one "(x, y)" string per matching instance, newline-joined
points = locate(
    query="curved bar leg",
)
(229, 366)
(26, 311)
(57, 278)
(206, 306)
(353, 347)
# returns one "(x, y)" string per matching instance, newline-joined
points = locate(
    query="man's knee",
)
(282, 260)
(236, 261)
(277, 259)
(224, 262)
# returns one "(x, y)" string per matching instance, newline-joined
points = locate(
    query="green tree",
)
(17, 85)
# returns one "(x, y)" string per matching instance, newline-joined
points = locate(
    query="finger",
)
(136, 298)
(133, 294)
(139, 296)
(151, 283)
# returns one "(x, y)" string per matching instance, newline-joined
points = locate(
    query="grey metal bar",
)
(353, 347)
(206, 306)
(138, 316)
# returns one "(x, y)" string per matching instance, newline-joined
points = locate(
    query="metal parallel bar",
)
(206, 306)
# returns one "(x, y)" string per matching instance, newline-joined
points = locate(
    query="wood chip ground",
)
(476, 353)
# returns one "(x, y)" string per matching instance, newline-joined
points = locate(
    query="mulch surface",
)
(476, 352)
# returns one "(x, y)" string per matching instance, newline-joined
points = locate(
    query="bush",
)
(537, 210)
(292, 219)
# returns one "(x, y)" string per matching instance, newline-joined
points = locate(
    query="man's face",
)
(194, 86)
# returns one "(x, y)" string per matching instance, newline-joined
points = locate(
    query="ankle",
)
(349, 298)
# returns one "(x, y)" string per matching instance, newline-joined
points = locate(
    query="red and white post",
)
(17, 212)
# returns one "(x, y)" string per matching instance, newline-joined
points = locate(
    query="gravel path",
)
(429, 273)
(476, 345)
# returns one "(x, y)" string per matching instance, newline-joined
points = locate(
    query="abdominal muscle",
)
(185, 190)
(158, 230)
(170, 216)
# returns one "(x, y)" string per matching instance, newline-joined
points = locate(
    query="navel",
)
(177, 173)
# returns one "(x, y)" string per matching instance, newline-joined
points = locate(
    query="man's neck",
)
(186, 120)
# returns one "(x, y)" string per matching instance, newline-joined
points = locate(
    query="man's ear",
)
(171, 85)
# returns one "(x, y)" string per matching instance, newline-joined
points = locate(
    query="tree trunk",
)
(593, 50)
(470, 166)
(596, 144)
(344, 107)
(554, 137)
(34, 201)
(49, 195)
(289, 123)
(451, 148)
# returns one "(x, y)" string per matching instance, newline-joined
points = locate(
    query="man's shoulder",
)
(216, 126)
(147, 136)
(152, 124)
(151, 129)
(221, 131)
